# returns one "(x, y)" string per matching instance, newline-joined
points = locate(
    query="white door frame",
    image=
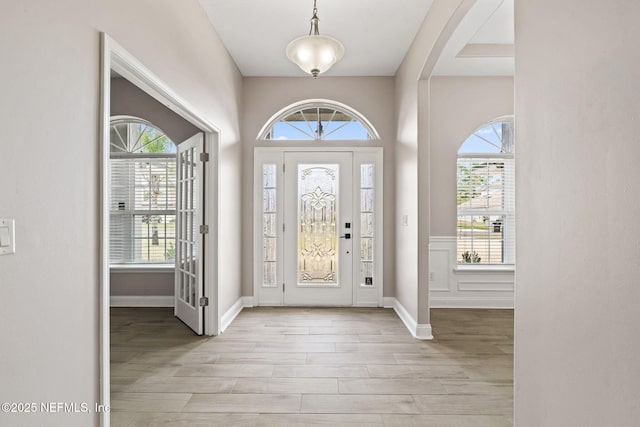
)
(115, 58)
(363, 297)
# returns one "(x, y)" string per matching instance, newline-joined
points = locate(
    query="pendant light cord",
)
(314, 31)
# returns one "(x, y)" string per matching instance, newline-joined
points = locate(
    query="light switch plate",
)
(7, 236)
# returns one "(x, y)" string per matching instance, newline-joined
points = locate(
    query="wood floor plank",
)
(183, 419)
(149, 402)
(183, 385)
(226, 370)
(333, 420)
(263, 358)
(390, 386)
(321, 371)
(287, 385)
(463, 404)
(358, 404)
(244, 403)
(445, 421)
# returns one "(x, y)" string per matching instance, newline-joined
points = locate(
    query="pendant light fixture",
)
(314, 53)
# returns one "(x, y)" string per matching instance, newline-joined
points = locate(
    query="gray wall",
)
(142, 284)
(458, 106)
(49, 177)
(577, 290)
(128, 100)
(412, 166)
(369, 95)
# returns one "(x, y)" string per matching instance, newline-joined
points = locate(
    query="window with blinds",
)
(486, 196)
(142, 194)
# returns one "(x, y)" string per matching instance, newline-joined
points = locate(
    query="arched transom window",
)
(133, 135)
(486, 195)
(318, 120)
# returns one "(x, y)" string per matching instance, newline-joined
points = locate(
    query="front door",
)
(318, 218)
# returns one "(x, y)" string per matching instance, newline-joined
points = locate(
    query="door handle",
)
(346, 236)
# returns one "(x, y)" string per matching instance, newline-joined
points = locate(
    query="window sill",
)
(494, 269)
(142, 268)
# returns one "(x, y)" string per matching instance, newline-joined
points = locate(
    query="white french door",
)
(318, 218)
(190, 233)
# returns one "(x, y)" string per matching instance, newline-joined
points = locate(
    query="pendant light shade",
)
(315, 54)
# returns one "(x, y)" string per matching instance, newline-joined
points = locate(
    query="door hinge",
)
(204, 157)
(204, 229)
(283, 167)
(282, 286)
(204, 301)
(283, 228)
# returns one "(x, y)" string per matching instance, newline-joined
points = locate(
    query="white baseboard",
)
(424, 332)
(234, 310)
(141, 301)
(471, 302)
(419, 331)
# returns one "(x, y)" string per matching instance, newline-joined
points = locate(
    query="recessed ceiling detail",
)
(486, 51)
(483, 43)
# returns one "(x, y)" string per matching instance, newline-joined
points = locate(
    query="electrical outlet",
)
(432, 276)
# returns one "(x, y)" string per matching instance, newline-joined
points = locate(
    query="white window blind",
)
(142, 196)
(486, 197)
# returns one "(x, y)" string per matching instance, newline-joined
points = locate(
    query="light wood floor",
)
(302, 366)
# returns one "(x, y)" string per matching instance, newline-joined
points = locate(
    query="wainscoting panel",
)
(466, 287)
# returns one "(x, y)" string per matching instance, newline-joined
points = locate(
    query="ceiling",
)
(376, 35)
(482, 45)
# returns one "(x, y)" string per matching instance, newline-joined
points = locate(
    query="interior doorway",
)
(117, 61)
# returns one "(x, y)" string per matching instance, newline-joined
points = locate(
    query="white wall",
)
(49, 177)
(265, 96)
(577, 296)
